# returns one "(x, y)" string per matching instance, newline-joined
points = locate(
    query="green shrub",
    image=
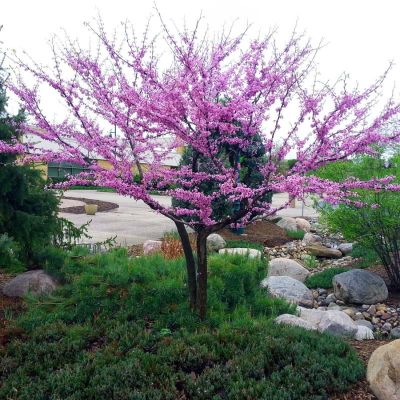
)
(367, 256)
(323, 279)
(121, 329)
(9, 255)
(244, 244)
(376, 225)
(296, 235)
(310, 261)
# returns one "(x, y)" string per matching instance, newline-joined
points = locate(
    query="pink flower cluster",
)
(215, 93)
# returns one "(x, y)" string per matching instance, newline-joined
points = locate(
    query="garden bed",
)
(154, 347)
(103, 206)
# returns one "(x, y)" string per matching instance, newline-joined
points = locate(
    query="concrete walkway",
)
(133, 222)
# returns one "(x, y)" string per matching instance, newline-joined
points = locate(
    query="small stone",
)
(358, 316)
(364, 322)
(385, 316)
(340, 302)
(333, 306)
(395, 333)
(351, 312)
(372, 309)
(331, 298)
(387, 326)
(366, 314)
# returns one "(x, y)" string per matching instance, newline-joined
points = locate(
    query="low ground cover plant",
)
(121, 328)
(323, 279)
(296, 235)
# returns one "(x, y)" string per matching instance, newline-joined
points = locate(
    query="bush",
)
(376, 226)
(121, 329)
(323, 279)
(296, 235)
(9, 255)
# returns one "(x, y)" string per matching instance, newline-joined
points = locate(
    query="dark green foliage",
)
(121, 329)
(10, 254)
(28, 213)
(251, 160)
(296, 235)
(323, 279)
(366, 256)
(376, 226)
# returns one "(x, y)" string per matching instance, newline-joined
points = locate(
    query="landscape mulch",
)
(263, 232)
(103, 206)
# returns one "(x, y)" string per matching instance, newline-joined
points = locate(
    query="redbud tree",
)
(186, 88)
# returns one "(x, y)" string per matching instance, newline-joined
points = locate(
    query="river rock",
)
(318, 250)
(303, 224)
(360, 287)
(215, 242)
(288, 223)
(289, 289)
(364, 322)
(310, 238)
(383, 371)
(346, 248)
(395, 333)
(334, 322)
(287, 267)
(251, 253)
(293, 320)
(364, 333)
(36, 282)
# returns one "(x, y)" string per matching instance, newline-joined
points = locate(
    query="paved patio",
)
(133, 222)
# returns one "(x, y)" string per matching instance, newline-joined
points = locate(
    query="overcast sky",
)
(362, 36)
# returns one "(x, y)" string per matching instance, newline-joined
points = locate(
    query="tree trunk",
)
(202, 273)
(190, 264)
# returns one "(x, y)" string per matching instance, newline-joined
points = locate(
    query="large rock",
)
(288, 223)
(287, 267)
(251, 253)
(345, 248)
(318, 250)
(334, 322)
(293, 320)
(303, 224)
(35, 282)
(151, 247)
(383, 372)
(289, 289)
(310, 238)
(360, 287)
(215, 242)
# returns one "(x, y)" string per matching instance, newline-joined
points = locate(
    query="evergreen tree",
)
(28, 212)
